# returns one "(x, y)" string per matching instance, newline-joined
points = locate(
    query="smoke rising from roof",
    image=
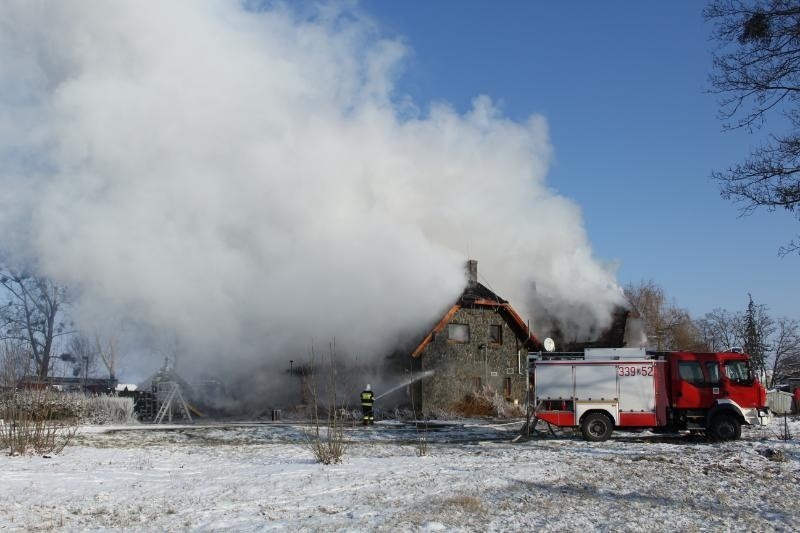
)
(247, 182)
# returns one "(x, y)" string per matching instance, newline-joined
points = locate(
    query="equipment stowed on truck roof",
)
(606, 388)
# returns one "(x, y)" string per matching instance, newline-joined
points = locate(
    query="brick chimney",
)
(472, 273)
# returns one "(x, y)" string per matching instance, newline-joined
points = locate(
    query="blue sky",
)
(623, 86)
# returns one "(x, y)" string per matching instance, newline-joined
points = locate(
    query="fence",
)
(779, 402)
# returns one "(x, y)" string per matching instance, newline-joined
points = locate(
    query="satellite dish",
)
(549, 344)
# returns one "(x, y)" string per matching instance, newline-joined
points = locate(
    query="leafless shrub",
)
(505, 409)
(421, 440)
(33, 422)
(98, 409)
(44, 421)
(785, 434)
(325, 439)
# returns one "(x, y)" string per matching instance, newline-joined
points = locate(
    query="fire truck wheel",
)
(596, 427)
(725, 427)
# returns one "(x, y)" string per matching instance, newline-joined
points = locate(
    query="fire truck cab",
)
(713, 390)
(629, 388)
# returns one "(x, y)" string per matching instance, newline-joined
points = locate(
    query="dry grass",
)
(487, 402)
(467, 504)
(99, 409)
(475, 404)
(108, 410)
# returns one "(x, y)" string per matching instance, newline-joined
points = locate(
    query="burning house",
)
(482, 342)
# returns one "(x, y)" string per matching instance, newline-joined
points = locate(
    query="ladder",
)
(173, 396)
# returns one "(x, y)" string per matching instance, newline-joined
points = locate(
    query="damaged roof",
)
(477, 295)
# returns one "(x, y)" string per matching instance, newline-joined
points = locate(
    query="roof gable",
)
(478, 295)
(478, 292)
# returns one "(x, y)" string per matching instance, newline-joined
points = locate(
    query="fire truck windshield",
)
(738, 371)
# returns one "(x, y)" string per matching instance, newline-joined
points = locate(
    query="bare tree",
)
(106, 348)
(757, 74)
(668, 327)
(32, 314)
(785, 350)
(777, 342)
(82, 353)
(15, 363)
(721, 330)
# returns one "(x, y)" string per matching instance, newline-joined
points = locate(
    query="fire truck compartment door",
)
(596, 382)
(554, 381)
(637, 390)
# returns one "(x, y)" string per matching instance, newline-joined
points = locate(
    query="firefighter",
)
(367, 399)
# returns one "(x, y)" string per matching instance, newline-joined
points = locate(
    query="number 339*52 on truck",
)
(604, 389)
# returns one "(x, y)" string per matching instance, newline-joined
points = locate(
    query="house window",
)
(495, 334)
(458, 332)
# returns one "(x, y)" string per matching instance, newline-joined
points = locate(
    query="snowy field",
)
(262, 477)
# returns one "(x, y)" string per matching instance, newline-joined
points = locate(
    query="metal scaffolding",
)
(171, 401)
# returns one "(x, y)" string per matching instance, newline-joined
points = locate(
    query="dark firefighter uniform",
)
(367, 399)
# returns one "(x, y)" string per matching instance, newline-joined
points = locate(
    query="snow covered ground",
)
(262, 477)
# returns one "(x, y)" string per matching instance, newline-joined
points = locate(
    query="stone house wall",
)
(463, 367)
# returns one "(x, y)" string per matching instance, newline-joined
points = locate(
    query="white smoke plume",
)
(246, 181)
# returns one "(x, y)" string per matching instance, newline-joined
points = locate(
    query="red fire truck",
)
(630, 388)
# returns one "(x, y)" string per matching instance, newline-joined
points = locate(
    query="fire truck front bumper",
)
(757, 417)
